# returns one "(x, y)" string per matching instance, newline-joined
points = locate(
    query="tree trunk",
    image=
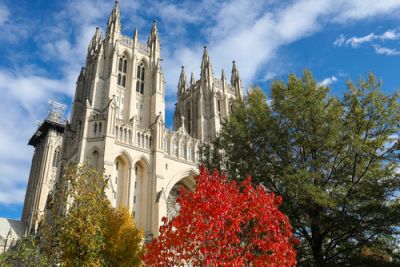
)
(317, 240)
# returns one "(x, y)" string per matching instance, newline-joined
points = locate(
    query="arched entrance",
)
(173, 207)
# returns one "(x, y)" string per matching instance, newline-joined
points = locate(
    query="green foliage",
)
(80, 225)
(24, 253)
(333, 160)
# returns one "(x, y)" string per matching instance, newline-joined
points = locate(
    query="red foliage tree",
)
(222, 223)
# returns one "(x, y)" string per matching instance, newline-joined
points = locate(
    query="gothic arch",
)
(145, 62)
(124, 153)
(185, 176)
(94, 157)
(141, 158)
(185, 179)
(121, 180)
(219, 103)
(127, 53)
(140, 191)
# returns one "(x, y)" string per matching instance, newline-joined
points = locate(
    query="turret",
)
(95, 43)
(206, 70)
(236, 82)
(182, 85)
(95, 40)
(153, 41)
(192, 80)
(135, 38)
(223, 80)
(114, 24)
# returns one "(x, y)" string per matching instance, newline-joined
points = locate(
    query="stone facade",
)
(117, 125)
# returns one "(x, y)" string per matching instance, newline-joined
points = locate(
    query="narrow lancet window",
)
(140, 78)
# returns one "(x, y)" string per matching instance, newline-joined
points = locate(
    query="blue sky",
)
(43, 45)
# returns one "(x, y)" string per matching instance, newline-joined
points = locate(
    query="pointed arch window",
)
(190, 151)
(174, 149)
(189, 119)
(182, 151)
(125, 66)
(95, 159)
(219, 107)
(56, 157)
(166, 144)
(120, 63)
(122, 69)
(140, 74)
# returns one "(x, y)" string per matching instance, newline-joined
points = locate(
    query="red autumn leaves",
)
(223, 223)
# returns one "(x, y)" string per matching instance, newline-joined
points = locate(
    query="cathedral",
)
(117, 125)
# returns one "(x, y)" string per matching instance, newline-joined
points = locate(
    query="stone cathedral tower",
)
(117, 125)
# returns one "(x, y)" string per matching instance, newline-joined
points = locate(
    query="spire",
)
(81, 74)
(96, 37)
(182, 86)
(235, 73)
(114, 21)
(97, 33)
(223, 80)
(192, 80)
(135, 38)
(153, 37)
(95, 43)
(235, 81)
(206, 74)
(206, 59)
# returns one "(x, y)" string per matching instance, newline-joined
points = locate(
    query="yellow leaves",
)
(122, 238)
(82, 229)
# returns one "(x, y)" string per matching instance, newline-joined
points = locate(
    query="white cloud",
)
(390, 35)
(340, 41)
(253, 39)
(364, 9)
(386, 51)
(328, 81)
(269, 76)
(26, 89)
(11, 30)
(355, 41)
(4, 14)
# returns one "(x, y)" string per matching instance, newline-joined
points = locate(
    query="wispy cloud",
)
(269, 76)
(386, 51)
(340, 41)
(4, 14)
(355, 41)
(328, 81)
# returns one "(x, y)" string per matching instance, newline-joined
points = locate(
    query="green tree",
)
(334, 160)
(24, 253)
(73, 231)
(82, 229)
